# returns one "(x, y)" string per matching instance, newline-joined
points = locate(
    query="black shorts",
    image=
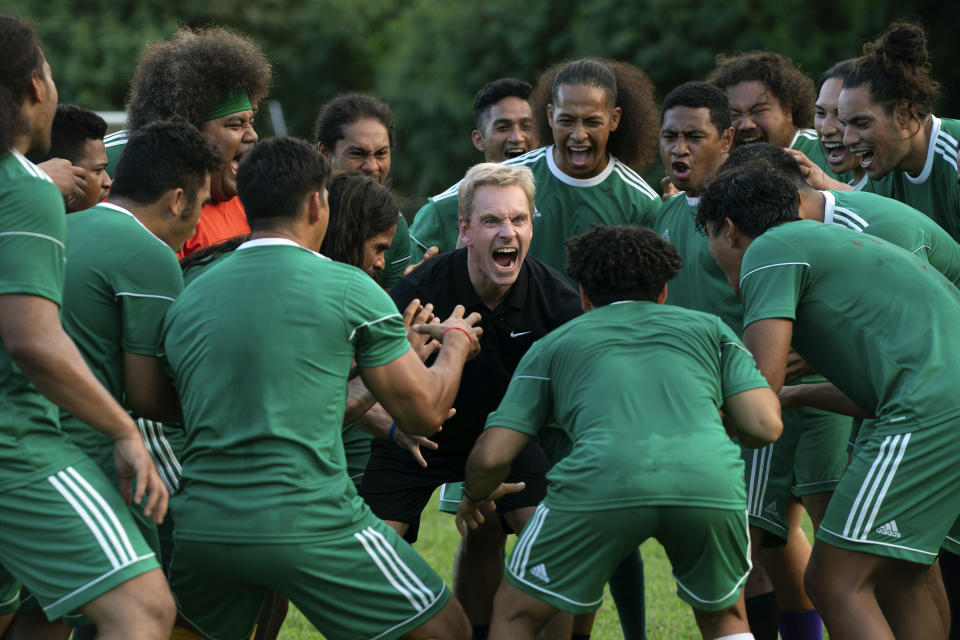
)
(397, 488)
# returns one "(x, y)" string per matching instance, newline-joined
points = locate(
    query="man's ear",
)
(175, 201)
(477, 138)
(38, 88)
(726, 140)
(585, 303)
(662, 297)
(323, 151)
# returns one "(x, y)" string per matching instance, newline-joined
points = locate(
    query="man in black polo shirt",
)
(520, 301)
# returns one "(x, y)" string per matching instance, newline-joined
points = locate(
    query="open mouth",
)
(865, 157)
(835, 152)
(505, 257)
(680, 170)
(749, 138)
(579, 156)
(236, 162)
(513, 152)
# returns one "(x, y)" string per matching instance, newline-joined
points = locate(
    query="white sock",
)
(737, 636)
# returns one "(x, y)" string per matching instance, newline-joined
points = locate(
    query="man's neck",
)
(149, 216)
(916, 158)
(813, 205)
(490, 294)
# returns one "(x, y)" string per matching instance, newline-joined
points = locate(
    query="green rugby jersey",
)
(898, 224)
(700, 284)
(260, 346)
(115, 144)
(878, 322)
(33, 248)
(935, 191)
(806, 140)
(564, 207)
(120, 280)
(636, 388)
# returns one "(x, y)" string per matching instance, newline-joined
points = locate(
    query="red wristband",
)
(465, 332)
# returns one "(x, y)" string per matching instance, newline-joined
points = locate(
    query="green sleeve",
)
(397, 257)
(647, 212)
(145, 288)
(33, 237)
(737, 367)
(435, 225)
(526, 407)
(373, 324)
(771, 282)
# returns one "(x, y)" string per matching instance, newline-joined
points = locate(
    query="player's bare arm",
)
(149, 392)
(814, 175)
(420, 398)
(755, 414)
(487, 467)
(769, 342)
(824, 395)
(31, 332)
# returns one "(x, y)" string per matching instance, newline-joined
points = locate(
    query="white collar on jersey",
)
(119, 209)
(578, 182)
(931, 152)
(829, 206)
(276, 242)
(693, 201)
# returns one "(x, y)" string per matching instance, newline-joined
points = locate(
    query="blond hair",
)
(492, 174)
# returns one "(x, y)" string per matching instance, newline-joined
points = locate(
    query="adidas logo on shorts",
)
(771, 508)
(889, 529)
(540, 572)
(666, 235)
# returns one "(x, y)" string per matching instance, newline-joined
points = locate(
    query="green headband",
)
(231, 102)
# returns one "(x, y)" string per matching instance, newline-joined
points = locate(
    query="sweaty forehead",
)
(365, 133)
(583, 97)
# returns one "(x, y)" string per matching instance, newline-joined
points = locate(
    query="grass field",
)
(667, 615)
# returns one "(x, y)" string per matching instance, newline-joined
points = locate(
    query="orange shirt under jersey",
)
(219, 221)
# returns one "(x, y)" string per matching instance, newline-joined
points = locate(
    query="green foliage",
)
(428, 57)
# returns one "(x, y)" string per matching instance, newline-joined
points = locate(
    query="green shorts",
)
(899, 496)
(952, 542)
(450, 494)
(566, 557)
(69, 538)
(809, 457)
(364, 583)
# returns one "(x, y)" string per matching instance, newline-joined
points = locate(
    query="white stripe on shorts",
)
(521, 551)
(162, 453)
(875, 486)
(95, 521)
(397, 573)
(759, 477)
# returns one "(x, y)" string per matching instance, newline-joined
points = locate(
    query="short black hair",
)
(634, 142)
(788, 84)
(72, 127)
(752, 196)
(190, 74)
(20, 50)
(164, 155)
(896, 66)
(840, 70)
(614, 263)
(775, 158)
(360, 208)
(495, 91)
(274, 178)
(697, 95)
(347, 108)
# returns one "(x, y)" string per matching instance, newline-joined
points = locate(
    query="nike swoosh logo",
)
(517, 334)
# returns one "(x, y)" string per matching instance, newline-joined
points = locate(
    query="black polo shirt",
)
(540, 300)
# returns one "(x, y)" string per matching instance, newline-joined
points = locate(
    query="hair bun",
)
(902, 43)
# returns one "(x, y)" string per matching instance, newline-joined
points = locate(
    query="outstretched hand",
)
(422, 344)
(455, 325)
(469, 512)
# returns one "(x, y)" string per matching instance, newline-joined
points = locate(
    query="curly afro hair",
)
(621, 263)
(786, 81)
(896, 66)
(189, 74)
(635, 140)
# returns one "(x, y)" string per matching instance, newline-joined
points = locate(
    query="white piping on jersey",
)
(922, 247)
(531, 378)
(110, 205)
(404, 259)
(736, 345)
(370, 322)
(276, 242)
(809, 134)
(29, 167)
(33, 235)
(419, 244)
(693, 201)
(117, 138)
(860, 185)
(948, 154)
(931, 149)
(141, 295)
(577, 182)
(841, 216)
(779, 264)
(633, 179)
(527, 158)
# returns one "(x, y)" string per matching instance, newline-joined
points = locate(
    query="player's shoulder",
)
(945, 145)
(549, 279)
(19, 174)
(634, 182)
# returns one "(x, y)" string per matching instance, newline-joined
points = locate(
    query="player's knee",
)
(450, 622)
